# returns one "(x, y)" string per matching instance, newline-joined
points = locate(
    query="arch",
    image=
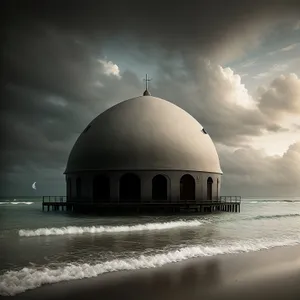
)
(187, 187)
(159, 187)
(78, 187)
(209, 188)
(69, 189)
(101, 188)
(130, 188)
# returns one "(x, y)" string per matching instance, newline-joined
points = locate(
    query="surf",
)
(273, 217)
(108, 229)
(15, 282)
(271, 201)
(16, 202)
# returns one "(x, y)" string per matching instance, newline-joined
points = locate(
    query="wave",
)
(108, 229)
(275, 216)
(15, 282)
(271, 201)
(22, 202)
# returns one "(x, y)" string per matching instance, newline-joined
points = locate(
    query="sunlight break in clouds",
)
(254, 168)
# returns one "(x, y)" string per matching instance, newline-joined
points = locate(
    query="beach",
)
(266, 274)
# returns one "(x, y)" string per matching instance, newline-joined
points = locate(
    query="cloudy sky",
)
(234, 65)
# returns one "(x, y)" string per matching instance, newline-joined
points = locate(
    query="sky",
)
(233, 65)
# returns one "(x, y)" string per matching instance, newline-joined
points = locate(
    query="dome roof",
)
(144, 133)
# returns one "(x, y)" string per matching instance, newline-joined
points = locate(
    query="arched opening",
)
(130, 188)
(159, 188)
(69, 189)
(101, 188)
(187, 188)
(78, 187)
(209, 188)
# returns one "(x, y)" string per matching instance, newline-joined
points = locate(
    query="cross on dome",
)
(146, 92)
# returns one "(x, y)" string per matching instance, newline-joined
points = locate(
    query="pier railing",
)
(222, 199)
(55, 199)
(230, 199)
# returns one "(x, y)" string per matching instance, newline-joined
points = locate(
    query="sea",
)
(38, 248)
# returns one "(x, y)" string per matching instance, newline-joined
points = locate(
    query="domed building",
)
(144, 150)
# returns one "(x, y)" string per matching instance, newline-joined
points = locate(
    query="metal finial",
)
(147, 93)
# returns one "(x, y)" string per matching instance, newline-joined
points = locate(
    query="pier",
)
(223, 204)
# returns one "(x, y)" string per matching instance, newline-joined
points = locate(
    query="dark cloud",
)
(46, 60)
(180, 26)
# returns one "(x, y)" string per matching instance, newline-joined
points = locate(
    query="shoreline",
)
(264, 274)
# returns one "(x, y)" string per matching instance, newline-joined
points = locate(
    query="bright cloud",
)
(239, 94)
(109, 68)
(281, 97)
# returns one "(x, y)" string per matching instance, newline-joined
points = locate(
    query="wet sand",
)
(268, 274)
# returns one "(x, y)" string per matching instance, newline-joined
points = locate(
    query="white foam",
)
(272, 201)
(15, 282)
(108, 229)
(22, 202)
(274, 217)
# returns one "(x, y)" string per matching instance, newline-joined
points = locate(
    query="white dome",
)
(144, 133)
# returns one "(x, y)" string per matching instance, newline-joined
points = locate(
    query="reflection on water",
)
(187, 280)
(122, 245)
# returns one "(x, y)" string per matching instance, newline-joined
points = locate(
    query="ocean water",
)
(45, 247)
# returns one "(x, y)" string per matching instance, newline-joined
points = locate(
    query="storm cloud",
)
(250, 169)
(56, 78)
